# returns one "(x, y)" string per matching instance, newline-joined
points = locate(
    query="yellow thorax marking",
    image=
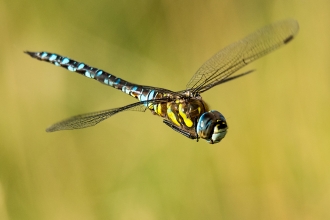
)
(171, 115)
(186, 120)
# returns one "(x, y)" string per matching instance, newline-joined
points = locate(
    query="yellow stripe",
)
(171, 115)
(186, 120)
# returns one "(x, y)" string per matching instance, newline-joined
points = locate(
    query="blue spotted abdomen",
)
(136, 91)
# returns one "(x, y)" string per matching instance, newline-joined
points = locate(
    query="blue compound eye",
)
(212, 127)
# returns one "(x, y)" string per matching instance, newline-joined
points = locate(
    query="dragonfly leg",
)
(197, 137)
(180, 130)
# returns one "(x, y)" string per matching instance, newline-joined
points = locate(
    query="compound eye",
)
(212, 126)
(205, 125)
(221, 125)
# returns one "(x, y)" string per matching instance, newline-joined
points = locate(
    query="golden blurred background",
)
(273, 164)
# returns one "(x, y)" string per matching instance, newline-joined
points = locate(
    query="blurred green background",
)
(273, 164)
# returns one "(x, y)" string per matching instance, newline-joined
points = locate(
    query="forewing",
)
(235, 56)
(227, 79)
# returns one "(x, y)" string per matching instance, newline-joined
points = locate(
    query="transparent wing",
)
(91, 119)
(227, 79)
(235, 56)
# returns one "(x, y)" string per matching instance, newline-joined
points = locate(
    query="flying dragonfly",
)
(184, 111)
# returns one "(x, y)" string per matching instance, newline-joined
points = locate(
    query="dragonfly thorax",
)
(185, 112)
(192, 115)
(190, 94)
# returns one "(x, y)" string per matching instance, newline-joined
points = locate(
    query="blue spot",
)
(124, 89)
(117, 81)
(57, 64)
(133, 90)
(99, 73)
(80, 66)
(43, 55)
(141, 94)
(88, 74)
(151, 94)
(106, 81)
(52, 57)
(143, 98)
(71, 68)
(65, 61)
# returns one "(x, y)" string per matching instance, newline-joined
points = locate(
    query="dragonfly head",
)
(212, 126)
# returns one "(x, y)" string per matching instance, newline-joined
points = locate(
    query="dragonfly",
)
(184, 111)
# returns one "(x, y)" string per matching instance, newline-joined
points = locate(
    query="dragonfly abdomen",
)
(136, 91)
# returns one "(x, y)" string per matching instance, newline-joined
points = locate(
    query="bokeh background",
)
(273, 164)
